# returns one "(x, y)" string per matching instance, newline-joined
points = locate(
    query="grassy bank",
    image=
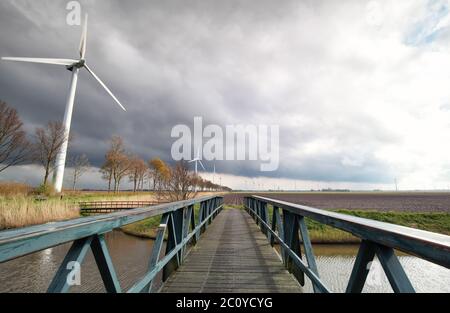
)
(143, 229)
(21, 211)
(438, 222)
(148, 227)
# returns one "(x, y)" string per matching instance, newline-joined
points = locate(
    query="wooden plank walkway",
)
(232, 256)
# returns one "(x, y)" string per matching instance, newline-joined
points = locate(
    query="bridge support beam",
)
(277, 224)
(310, 258)
(73, 258)
(105, 264)
(157, 248)
(174, 238)
(291, 234)
(394, 271)
(202, 216)
(361, 268)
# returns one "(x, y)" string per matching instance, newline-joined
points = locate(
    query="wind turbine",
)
(197, 160)
(74, 66)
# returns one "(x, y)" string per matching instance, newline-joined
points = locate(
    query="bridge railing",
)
(288, 228)
(178, 222)
(94, 207)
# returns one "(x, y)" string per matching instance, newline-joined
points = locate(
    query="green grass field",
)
(434, 222)
(438, 222)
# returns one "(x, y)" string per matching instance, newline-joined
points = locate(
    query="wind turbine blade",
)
(202, 165)
(192, 161)
(104, 86)
(83, 41)
(65, 62)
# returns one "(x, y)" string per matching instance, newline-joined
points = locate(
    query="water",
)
(130, 256)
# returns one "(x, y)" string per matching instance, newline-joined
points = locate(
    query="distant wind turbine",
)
(197, 160)
(74, 66)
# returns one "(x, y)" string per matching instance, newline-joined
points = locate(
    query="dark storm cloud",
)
(168, 61)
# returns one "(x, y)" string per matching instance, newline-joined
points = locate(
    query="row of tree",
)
(171, 182)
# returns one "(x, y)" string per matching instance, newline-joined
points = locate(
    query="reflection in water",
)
(130, 256)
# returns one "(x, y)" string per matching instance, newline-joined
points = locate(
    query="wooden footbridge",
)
(200, 247)
(232, 256)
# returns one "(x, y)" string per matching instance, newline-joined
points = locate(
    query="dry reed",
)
(23, 211)
(12, 189)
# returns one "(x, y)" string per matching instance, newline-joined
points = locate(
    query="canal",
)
(130, 255)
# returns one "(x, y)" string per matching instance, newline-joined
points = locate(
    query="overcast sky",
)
(360, 89)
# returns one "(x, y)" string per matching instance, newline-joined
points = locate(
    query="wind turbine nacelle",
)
(79, 64)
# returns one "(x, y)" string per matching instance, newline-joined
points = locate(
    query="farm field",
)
(366, 201)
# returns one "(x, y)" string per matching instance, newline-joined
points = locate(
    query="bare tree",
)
(161, 174)
(117, 163)
(48, 143)
(144, 176)
(107, 171)
(177, 183)
(174, 183)
(151, 177)
(80, 164)
(13, 142)
(121, 167)
(136, 172)
(181, 183)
